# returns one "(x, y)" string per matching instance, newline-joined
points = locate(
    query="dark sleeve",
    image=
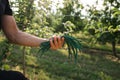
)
(8, 10)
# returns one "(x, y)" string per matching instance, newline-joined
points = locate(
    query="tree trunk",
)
(114, 48)
(24, 67)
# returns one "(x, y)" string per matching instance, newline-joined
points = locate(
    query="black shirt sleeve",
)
(4, 9)
(8, 10)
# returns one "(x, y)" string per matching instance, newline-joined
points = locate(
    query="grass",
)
(55, 65)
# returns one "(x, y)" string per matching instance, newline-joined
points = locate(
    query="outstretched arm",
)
(16, 36)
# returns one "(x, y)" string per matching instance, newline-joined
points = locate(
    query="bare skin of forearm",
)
(26, 39)
(16, 36)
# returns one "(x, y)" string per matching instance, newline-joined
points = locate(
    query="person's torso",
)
(2, 10)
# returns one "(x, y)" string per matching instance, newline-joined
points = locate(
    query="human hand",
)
(56, 42)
